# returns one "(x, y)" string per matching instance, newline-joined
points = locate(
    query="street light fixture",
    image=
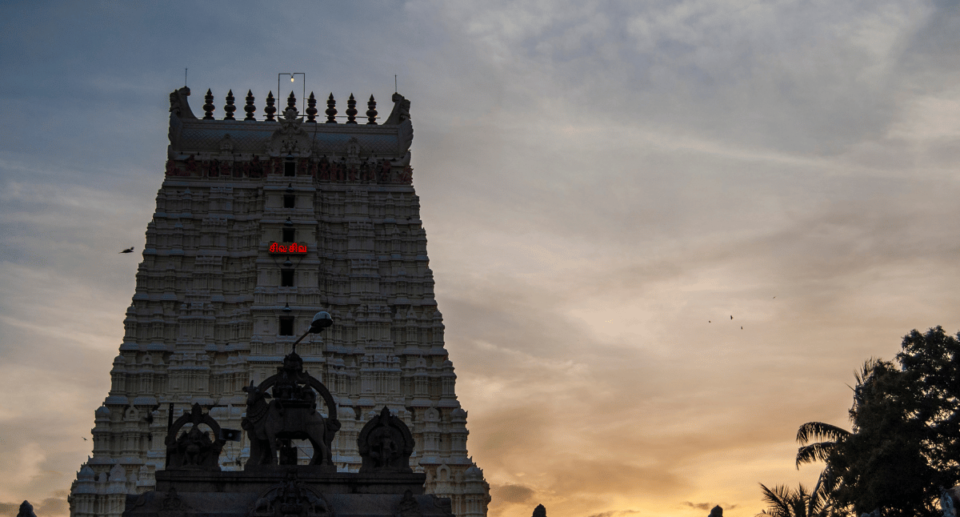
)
(321, 320)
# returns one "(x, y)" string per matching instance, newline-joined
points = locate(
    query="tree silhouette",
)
(798, 503)
(905, 442)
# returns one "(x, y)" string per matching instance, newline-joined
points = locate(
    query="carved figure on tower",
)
(292, 414)
(385, 444)
(194, 450)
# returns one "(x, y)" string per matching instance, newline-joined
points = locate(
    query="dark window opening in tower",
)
(289, 168)
(289, 235)
(286, 326)
(286, 278)
(289, 201)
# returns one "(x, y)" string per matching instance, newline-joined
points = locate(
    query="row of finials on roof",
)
(271, 109)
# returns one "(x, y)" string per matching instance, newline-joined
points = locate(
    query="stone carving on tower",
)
(385, 444)
(194, 449)
(292, 414)
(258, 225)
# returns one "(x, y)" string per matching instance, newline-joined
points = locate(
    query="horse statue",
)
(292, 414)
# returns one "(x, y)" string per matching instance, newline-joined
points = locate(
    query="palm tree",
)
(817, 441)
(800, 503)
(829, 436)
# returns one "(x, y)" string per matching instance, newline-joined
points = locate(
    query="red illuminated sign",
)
(293, 247)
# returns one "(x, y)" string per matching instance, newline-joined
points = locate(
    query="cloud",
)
(512, 493)
(614, 512)
(707, 506)
(54, 506)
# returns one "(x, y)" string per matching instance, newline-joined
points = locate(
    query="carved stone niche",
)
(385, 444)
(194, 450)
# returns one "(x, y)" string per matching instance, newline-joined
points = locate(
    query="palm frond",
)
(815, 503)
(814, 452)
(779, 498)
(820, 431)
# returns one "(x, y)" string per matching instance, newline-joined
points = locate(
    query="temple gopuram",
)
(225, 398)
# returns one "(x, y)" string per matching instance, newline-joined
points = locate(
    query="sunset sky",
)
(603, 185)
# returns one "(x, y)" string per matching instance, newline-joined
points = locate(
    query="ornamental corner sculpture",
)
(194, 450)
(385, 444)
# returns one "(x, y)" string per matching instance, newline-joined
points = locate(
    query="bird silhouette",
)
(731, 317)
(84, 438)
(128, 250)
(741, 327)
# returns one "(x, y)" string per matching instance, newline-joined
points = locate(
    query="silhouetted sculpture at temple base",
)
(539, 511)
(194, 449)
(26, 510)
(716, 512)
(385, 444)
(292, 414)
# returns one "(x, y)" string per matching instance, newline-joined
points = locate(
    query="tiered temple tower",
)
(259, 225)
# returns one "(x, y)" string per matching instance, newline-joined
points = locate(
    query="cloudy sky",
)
(603, 185)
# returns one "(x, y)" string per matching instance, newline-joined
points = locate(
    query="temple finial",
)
(372, 111)
(229, 108)
(249, 108)
(270, 109)
(351, 110)
(292, 102)
(208, 106)
(331, 110)
(311, 109)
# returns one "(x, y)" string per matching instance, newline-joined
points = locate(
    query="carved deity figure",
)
(292, 414)
(385, 170)
(407, 175)
(193, 449)
(385, 444)
(192, 445)
(192, 169)
(324, 168)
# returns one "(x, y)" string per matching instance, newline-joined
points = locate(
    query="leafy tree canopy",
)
(905, 441)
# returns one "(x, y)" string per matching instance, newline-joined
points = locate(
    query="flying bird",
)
(128, 250)
(731, 317)
(741, 327)
(84, 438)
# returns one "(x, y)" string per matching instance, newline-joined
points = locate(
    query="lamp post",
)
(321, 320)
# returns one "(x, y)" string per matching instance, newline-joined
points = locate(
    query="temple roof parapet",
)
(290, 134)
